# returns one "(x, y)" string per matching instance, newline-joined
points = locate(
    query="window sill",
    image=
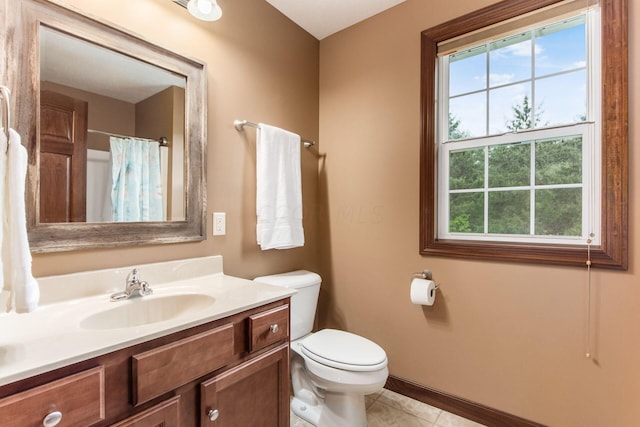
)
(569, 255)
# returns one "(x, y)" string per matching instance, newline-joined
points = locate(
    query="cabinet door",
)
(255, 393)
(163, 415)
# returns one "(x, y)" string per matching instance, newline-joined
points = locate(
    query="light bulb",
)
(204, 6)
(206, 10)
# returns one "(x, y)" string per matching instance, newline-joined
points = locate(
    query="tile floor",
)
(389, 409)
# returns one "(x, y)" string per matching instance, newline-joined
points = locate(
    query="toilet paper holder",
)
(427, 275)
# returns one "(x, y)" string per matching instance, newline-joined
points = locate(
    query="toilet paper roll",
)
(423, 291)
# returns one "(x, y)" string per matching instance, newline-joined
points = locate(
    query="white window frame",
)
(591, 150)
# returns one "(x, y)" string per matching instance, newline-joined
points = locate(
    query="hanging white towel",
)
(3, 205)
(278, 189)
(16, 255)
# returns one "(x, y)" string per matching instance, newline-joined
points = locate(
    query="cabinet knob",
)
(213, 414)
(52, 419)
(274, 328)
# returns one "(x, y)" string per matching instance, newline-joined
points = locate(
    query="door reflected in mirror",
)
(112, 135)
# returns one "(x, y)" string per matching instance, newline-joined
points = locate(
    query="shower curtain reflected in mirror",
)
(136, 184)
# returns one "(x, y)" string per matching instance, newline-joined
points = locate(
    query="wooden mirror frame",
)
(22, 39)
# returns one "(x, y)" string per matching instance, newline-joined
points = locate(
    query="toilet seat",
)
(344, 350)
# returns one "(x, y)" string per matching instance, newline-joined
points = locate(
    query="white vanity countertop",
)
(52, 336)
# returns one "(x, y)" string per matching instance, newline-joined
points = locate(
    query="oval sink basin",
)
(146, 310)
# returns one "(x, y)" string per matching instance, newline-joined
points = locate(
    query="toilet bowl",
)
(331, 370)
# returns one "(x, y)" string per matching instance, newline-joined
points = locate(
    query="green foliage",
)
(455, 131)
(466, 213)
(524, 117)
(466, 169)
(558, 161)
(559, 212)
(509, 165)
(509, 212)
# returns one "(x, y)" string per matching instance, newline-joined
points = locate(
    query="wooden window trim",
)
(613, 249)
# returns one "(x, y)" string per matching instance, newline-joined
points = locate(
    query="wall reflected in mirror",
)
(94, 99)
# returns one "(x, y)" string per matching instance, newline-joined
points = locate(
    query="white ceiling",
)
(321, 18)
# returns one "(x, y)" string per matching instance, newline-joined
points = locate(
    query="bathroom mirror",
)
(80, 82)
(139, 103)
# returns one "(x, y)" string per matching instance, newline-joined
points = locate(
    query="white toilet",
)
(331, 370)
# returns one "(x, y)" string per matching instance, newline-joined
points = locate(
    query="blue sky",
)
(548, 64)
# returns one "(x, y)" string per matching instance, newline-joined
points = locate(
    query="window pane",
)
(510, 108)
(509, 212)
(561, 47)
(559, 212)
(562, 99)
(510, 165)
(466, 169)
(468, 71)
(471, 111)
(559, 161)
(510, 60)
(466, 213)
(455, 129)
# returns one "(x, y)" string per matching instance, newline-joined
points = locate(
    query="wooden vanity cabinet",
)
(238, 365)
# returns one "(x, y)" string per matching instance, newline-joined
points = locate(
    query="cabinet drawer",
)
(164, 414)
(79, 398)
(268, 327)
(165, 368)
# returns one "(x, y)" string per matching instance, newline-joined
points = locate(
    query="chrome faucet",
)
(133, 287)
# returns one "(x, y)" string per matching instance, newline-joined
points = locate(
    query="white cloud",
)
(501, 79)
(522, 49)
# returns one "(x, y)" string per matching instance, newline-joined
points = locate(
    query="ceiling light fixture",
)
(206, 10)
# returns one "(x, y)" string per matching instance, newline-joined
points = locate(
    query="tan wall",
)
(510, 336)
(261, 67)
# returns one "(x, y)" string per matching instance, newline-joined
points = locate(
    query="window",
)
(518, 120)
(517, 163)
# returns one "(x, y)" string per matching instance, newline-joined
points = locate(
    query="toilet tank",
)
(303, 303)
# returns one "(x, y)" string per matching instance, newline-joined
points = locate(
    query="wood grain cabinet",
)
(254, 394)
(230, 372)
(76, 399)
(164, 414)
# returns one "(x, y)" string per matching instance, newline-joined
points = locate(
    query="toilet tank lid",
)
(292, 279)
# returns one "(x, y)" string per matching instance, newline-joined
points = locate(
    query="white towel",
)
(3, 207)
(16, 255)
(278, 189)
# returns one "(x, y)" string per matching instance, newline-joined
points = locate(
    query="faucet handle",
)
(145, 289)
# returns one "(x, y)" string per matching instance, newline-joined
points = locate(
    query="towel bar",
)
(240, 124)
(6, 110)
